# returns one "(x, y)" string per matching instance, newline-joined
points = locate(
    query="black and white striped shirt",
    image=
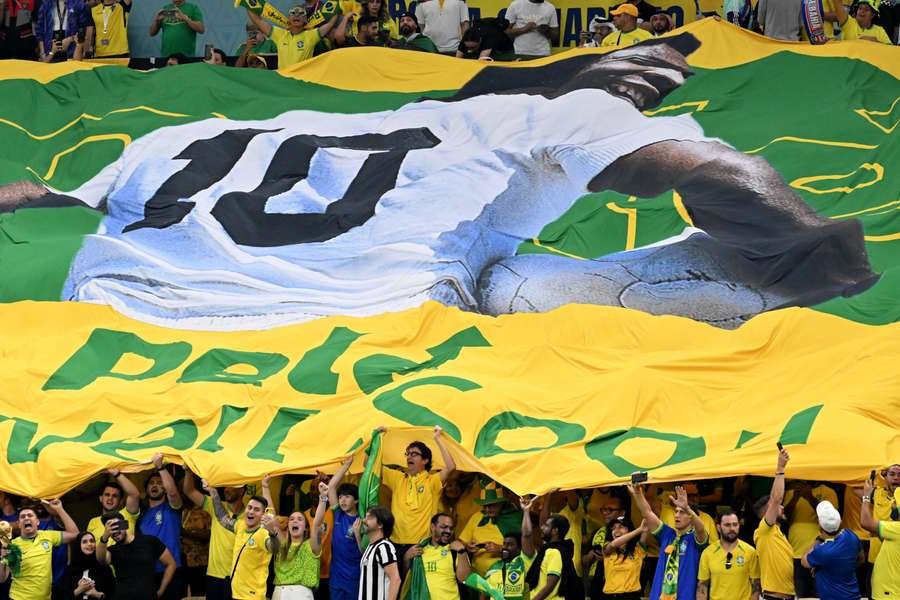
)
(373, 582)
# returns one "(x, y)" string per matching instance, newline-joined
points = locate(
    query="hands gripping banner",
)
(587, 265)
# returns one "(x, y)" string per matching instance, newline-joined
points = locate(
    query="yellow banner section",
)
(578, 397)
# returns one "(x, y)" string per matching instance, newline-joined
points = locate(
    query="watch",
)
(867, 499)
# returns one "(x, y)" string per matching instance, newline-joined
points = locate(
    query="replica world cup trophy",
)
(11, 554)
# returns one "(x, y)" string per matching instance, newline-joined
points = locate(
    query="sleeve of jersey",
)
(55, 537)
(553, 558)
(754, 566)
(616, 130)
(386, 555)
(817, 558)
(889, 531)
(390, 478)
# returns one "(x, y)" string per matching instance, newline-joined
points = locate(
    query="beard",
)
(406, 31)
(730, 537)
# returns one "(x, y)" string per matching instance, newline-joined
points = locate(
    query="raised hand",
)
(437, 432)
(783, 458)
(526, 502)
(680, 499)
(266, 480)
(158, 460)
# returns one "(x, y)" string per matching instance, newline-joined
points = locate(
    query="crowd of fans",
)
(450, 535)
(55, 30)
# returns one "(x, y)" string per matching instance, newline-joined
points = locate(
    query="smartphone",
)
(207, 51)
(639, 477)
(872, 476)
(780, 446)
(168, 13)
(80, 37)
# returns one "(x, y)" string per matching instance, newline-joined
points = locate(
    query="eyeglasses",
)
(297, 11)
(413, 453)
(728, 558)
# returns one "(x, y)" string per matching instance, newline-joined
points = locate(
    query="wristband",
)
(103, 541)
(779, 474)
(867, 499)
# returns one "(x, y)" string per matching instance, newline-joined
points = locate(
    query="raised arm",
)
(132, 494)
(221, 514)
(172, 494)
(650, 519)
(527, 534)
(315, 536)
(866, 518)
(463, 566)
(266, 492)
(260, 23)
(101, 551)
(776, 496)
(449, 463)
(189, 487)
(621, 541)
(273, 543)
(337, 480)
(55, 507)
(325, 28)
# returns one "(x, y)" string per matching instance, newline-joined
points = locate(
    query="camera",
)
(639, 477)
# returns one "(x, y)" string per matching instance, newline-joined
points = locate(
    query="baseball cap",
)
(406, 13)
(829, 517)
(625, 9)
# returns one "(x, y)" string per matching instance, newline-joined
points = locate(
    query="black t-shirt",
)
(134, 564)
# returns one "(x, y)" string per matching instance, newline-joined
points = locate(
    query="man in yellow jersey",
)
(255, 541)
(296, 43)
(108, 36)
(776, 554)
(444, 560)
(415, 494)
(625, 19)
(35, 573)
(729, 568)
(886, 573)
(553, 571)
(221, 540)
(111, 501)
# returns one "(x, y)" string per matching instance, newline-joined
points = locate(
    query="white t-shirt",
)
(522, 12)
(442, 23)
(505, 166)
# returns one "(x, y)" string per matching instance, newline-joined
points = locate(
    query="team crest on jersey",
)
(251, 542)
(513, 576)
(300, 44)
(740, 561)
(420, 489)
(158, 518)
(45, 545)
(444, 552)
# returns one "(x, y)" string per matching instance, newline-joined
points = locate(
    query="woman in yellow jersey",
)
(297, 561)
(387, 28)
(623, 557)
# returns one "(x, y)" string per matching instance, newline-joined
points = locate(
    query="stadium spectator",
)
(416, 493)
(162, 520)
(107, 32)
(444, 21)
(516, 556)
(297, 561)
(442, 559)
(366, 32)
(667, 511)
(681, 546)
(379, 575)
(327, 530)
(221, 541)
(409, 29)
(800, 508)
(180, 22)
(533, 25)
(623, 558)
(569, 505)
(485, 40)
(343, 499)
(886, 574)
(255, 541)
(625, 19)
(111, 501)
(593, 559)
(776, 563)
(196, 524)
(133, 558)
(173, 60)
(85, 578)
(296, 43)
(58, 23)
(884, 502)
(484, 533)
(257, 43)
(660, 23)
(459, 495)
(18, 22)
(597, 31)
(387, 28)
(47, 521)
(780, 20)
(216, 57)
(861, 26)
(835, 561)
(729, 568)
(35, 576)
(553, 573)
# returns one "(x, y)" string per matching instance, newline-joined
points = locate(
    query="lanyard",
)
(106, 15)
(61, 15)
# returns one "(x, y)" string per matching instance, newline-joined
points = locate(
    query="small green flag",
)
(264, 10)
(370, 481)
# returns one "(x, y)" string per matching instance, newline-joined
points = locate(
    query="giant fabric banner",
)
(663, 258)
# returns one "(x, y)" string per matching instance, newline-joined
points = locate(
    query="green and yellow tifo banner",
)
(667, 258)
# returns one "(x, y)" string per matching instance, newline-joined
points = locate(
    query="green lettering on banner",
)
(23, 432)
(281, 425)
(393, 403)
(103, 349)
(486, 444)
(313, 374)
(229, 416)
(184, 434)
(377, 370)
(745, 437)
(603, 449)
(800, 425)
(214, 364)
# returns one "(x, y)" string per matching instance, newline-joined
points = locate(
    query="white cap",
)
(829, 517)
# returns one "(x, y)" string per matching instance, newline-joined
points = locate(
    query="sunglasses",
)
(728, 558)
(413, 453)
(297, 11)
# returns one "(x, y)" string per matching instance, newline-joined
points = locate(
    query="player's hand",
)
(158, 460)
